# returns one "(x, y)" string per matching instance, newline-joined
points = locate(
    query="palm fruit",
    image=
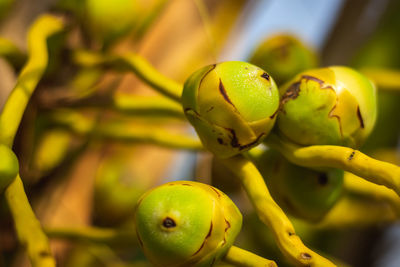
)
(302, 192)
(117, 188)
(9, 166)
(109, 20)
(284, 56)
(232, 106)
(186, 224)
(327, 106)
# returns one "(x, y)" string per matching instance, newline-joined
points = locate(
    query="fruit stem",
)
(29, 231)
(272, 215)
(122, 131)
(132, 62)
(384, 79)
(243, 258)
(348, 159)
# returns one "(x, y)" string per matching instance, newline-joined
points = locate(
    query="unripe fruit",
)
(284, 56)
(327, 106)
(302, 192)
(108, 20)
(186, 224)
(9, 166)
(232, 106)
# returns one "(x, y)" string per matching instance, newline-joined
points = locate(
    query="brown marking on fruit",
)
(228, 225)
(211, 108)
(352, 155)
(139, 239)
(205, 74)
(291, 93)
(205, 239)
(323, 179)
(224, 93)
(321, 82)
(360, 118)
(169, 223)
(220, 141)
(331, 115)
(291, 233)
(216, 191)
(265, 76)
(235, 142)
(305, 256)
(252, 143)
(187, 184)
(276, 112)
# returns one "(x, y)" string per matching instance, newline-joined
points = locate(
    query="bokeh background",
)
(75, 182)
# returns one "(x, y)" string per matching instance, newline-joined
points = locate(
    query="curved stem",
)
(147, 105)
(272, 215)
(27, 226)
(348, 159)
(123, 132)
(29, 77)
(357, 186)
(92, 234)
(385, 79)
(357, 212)
(243, 258)
(136, 64)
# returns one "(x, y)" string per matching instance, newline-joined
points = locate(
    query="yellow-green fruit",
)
(117, 188)
(327, 106)
(186, 224)
(9, 166)
(284, 56)
(108, 20)
(302, 192)
(232, 106)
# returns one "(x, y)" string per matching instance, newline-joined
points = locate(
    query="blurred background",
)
(74, 180)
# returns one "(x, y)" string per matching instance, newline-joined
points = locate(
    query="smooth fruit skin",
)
(302, 192)
(232, 106)
(327, 106)
(9, 166)
(108, 20)
(284, 56)
(186, 223)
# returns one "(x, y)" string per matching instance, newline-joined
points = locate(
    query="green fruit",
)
(108, 20)
(117, 189)
(186, 224)
(284, 56)
(9, 166)
(327, 106)
(232, 106)
(302, 192)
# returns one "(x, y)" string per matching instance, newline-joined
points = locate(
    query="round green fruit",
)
(302, 192)
(284, 56)
(327, 106)
(186, 224)
(232, 106)
(109, 20)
